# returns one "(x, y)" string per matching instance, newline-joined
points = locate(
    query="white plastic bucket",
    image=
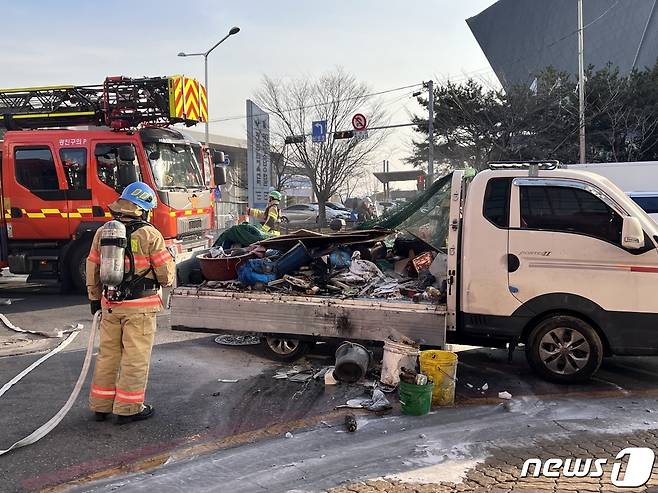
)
(397, 356)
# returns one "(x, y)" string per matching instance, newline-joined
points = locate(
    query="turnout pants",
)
(122, 364)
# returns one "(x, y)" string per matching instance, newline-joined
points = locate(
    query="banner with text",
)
(258, 155)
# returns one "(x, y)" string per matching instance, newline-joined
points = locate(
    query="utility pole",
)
(384, 171)
(581, 81)
(430, 131)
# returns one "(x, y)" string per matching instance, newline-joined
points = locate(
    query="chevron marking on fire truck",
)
(203, 103)
(177, 83)
(191, 99)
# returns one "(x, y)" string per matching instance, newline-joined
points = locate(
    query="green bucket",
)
(415, 400)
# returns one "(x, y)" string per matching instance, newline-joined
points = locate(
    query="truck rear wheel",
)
(283, 348)
(564, 349)
(77, 267)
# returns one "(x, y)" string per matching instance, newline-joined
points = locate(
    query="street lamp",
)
(234, 30)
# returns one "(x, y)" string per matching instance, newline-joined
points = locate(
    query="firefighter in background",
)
(128, 321)
(270, 217)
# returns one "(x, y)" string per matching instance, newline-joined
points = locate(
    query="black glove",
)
(95, 306)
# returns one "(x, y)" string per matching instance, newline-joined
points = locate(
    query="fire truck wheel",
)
(564, 349)
(77, 267)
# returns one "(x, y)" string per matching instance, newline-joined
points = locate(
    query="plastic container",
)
(254, 272)
(415, 400)
(441, 368)
(221, 268)
(292, 260)
(340, 258)
(397, 356)
(352, 362)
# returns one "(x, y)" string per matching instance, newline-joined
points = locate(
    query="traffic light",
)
(420, 183)
(343, 134)
(295, 139)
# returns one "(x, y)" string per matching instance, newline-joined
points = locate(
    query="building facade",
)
(520, 38)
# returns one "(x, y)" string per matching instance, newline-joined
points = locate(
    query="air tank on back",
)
(113, 249)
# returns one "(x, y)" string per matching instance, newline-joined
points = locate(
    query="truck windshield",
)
(174, 165)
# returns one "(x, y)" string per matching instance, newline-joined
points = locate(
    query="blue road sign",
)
(319, 131)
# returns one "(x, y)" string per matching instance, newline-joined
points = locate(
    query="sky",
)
(384, 43)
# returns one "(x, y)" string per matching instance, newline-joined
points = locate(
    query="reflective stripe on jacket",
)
(270, 216)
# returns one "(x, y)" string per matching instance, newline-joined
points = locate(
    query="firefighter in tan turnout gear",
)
(127, 264)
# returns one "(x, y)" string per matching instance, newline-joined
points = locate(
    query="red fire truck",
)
(57, 182)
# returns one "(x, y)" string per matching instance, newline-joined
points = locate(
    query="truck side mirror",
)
(632, 234)
(218, 158)
(127, 153)
(219, 174)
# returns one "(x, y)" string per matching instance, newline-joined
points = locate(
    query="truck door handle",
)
(513, 262)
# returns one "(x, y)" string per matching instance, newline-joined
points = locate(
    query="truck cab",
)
(562, 261)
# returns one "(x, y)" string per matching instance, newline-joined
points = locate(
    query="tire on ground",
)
(564, 349)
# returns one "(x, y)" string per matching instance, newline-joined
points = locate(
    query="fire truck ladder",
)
(120, 102)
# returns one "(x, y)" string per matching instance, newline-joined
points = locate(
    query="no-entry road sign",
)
(359, 122)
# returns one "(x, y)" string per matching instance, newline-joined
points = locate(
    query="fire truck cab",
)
(56, 185)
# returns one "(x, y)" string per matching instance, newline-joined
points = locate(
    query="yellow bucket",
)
(441, 368)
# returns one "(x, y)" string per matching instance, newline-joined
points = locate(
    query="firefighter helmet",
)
(275, 195)
(140, 194)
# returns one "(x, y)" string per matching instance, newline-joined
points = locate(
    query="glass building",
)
(522, 37)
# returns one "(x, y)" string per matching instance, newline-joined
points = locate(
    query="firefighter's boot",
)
(145, 413)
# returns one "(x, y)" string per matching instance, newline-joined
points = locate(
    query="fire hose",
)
(47, 427)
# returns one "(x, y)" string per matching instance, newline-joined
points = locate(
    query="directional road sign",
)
(319, 131)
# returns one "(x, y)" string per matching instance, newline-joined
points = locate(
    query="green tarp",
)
(245, 234)
(397, 216)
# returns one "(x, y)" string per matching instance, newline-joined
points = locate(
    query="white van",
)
(638, 179)
(648, 201)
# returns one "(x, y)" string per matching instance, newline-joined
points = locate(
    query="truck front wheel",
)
(564, 349)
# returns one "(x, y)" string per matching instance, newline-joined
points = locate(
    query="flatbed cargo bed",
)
(219, 311)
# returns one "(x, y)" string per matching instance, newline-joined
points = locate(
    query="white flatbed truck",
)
(559, 260)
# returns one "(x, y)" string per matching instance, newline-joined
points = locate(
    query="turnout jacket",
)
(150, 254)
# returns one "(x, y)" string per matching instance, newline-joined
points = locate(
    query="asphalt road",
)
(440, 447)
(197, 415)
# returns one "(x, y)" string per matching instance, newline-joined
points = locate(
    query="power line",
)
(288, 110)
(572, 33)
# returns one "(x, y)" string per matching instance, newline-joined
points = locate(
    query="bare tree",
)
(335, 97)
(353, 183)
(282, 171)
